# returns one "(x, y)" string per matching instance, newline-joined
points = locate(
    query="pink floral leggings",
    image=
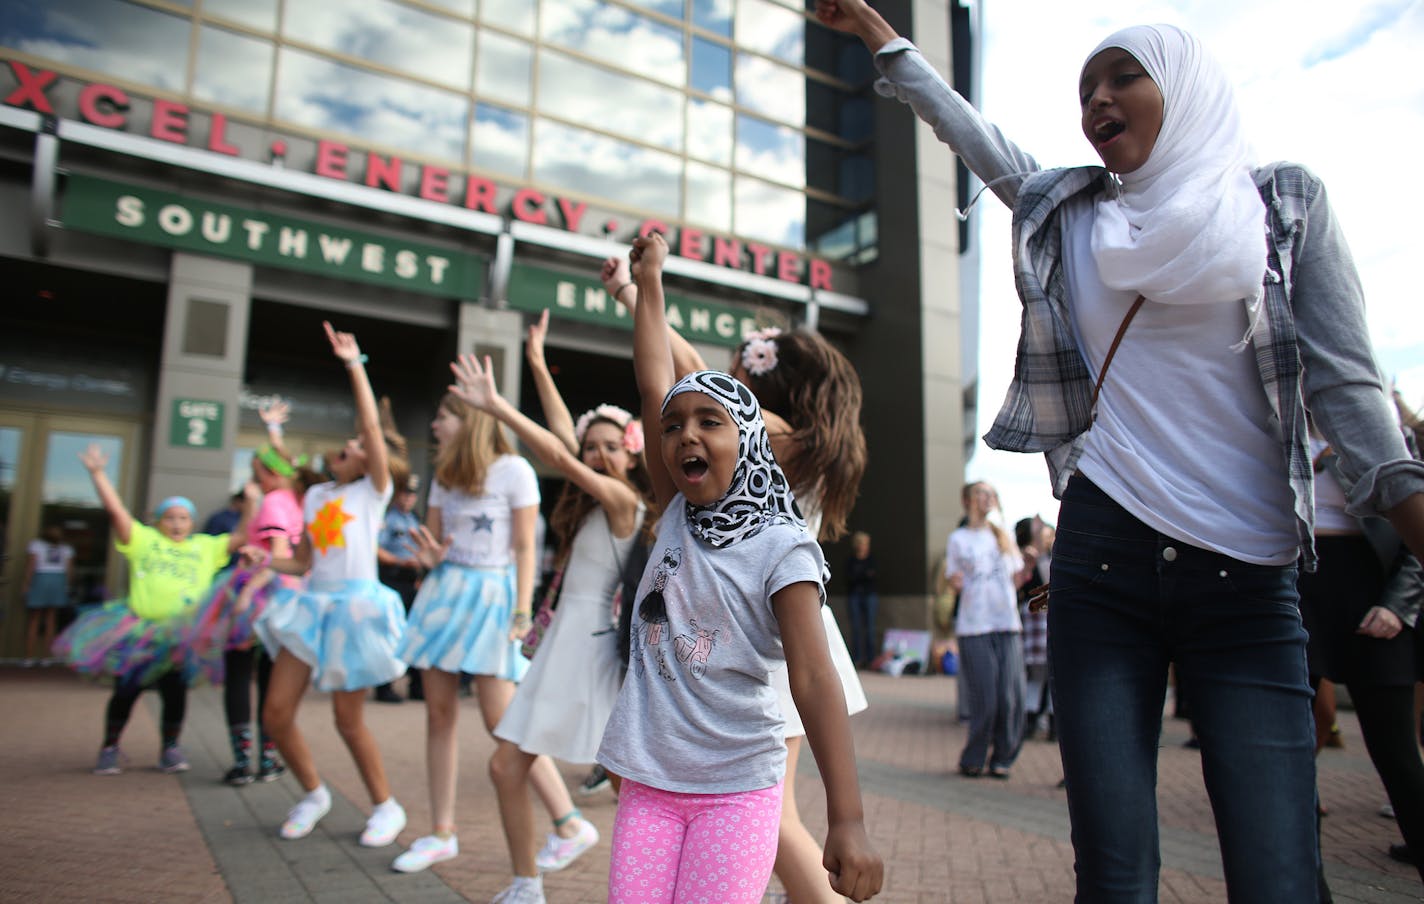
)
(692, 848)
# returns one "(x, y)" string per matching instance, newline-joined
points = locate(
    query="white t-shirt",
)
(697, 713)
(1330, 497)
(988, 603)
(481, 525)
(1185, 439)
(343, 521)
(50, 558)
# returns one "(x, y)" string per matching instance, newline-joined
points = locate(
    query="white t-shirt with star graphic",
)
(342, 521)
(480, 525)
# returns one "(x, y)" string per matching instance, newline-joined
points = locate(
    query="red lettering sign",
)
(217, 137)
(31, 90)
(788, 267)
(727, 252)
(383, 173)
(648, 227)
(104, 105)
(435, 184)
(170, 121)
(572, 213)
(689, 244)
(760, 254)
(528, 205)
(479, 194)
(821, 275)
(331, 159)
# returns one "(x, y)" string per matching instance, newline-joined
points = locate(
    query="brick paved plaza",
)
(147, 837)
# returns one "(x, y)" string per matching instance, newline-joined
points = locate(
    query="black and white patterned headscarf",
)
(760, 494)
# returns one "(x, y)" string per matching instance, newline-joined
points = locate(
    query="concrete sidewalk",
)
(143, 836)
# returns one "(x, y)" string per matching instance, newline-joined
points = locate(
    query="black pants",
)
(172, 690)
(237, 687)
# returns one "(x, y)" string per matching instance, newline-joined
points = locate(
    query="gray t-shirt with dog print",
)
(696, 713)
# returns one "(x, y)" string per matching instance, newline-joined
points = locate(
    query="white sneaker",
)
(522, 891)
(302, 818)
(560, 852)
(385, 824)
(425, 852)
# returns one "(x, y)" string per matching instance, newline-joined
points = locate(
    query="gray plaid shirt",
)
(1310, 344)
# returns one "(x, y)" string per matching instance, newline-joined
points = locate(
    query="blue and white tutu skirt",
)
(346, 631)
(460, 621)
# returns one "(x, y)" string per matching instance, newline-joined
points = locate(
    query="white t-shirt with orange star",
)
(480, 526)
(343, 521)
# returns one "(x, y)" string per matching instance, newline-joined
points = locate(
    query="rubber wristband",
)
(359, 359)
(619, 291)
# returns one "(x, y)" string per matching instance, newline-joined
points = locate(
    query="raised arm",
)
(652, 353)
(94, 461)
(368, 420)
(274, 415)
(856, 871)
(556, 413)
(474, 382)
(909, 77)
(618, 282)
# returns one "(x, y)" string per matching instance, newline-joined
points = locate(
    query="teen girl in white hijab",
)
(1225, 300)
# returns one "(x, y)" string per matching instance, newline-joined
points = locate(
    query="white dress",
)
(840, 656)
(564, 701)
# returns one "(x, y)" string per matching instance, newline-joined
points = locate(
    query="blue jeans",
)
(862, 625)
(1125, 602)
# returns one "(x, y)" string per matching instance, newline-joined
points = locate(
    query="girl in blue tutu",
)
(473, 608)
(341, 630)
(135, 642)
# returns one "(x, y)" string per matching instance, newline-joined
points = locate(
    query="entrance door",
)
(42, 482)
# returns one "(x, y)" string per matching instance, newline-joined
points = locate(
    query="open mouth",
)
(694, 468)
(1107, 130)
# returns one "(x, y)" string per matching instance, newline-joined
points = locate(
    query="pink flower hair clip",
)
(620, 416)
(633, 440)
(759, 354)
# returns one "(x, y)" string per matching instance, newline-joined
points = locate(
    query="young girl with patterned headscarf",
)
(733, 591)
(1225, 298)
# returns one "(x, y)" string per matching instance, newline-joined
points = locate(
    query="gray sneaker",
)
(108, 763)
(172, 760)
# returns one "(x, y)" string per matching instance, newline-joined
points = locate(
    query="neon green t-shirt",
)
(165, 577)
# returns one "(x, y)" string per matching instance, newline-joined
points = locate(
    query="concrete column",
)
(499, 334)
(204, 350)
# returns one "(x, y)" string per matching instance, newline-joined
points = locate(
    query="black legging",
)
(237, 686)
(1387, 721)
(171, 689)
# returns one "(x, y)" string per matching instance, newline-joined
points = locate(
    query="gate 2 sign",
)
(197, 424)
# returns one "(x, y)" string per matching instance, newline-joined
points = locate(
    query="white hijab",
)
(1188, 226)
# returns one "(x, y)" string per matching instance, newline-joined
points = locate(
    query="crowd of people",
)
(683, 643)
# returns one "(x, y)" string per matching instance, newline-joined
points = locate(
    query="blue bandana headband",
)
(182, 502)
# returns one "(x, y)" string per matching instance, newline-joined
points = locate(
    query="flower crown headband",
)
(759, 354)
(632, 427)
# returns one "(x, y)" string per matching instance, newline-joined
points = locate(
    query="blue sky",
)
(1333, 86)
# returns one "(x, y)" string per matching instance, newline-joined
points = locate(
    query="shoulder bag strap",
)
(1112, 350)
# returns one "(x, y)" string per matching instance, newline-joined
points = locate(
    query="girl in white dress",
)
(563, 704)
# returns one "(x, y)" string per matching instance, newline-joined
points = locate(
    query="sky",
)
(1330, 85)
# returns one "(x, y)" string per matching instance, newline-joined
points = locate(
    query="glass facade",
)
(740, 115)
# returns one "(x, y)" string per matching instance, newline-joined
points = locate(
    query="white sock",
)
(528, 882)
(320, 796)
(387, 804)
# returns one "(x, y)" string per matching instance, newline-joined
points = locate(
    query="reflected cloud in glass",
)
(503, 67)
(401, 37)
(772, 29)
(764, 211)
(709, 131)
(596, 97)
(616, 35)
(709, 196)
(598, 165)
(770, 89)
(671, 8)
(499, 140)
(463, 7)
(328, 96)
(771, 151)
(712, 68)
(233, 69)
(260, 14)
(134, 42)
(515, 15)
(713, 15)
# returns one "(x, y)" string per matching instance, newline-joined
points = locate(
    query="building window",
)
(515, 15)
(627, 174)
(615, 35)
(122, 39)
(390, 34)
(233, 70)
(770, 213)
(258, 14)
(499, 140)
(712, 69)
(772, 29)
(709, 197)
(713, 15)
(503, 68)
(600, 99)
(772, 90)
(709, 131)
(771, 151)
